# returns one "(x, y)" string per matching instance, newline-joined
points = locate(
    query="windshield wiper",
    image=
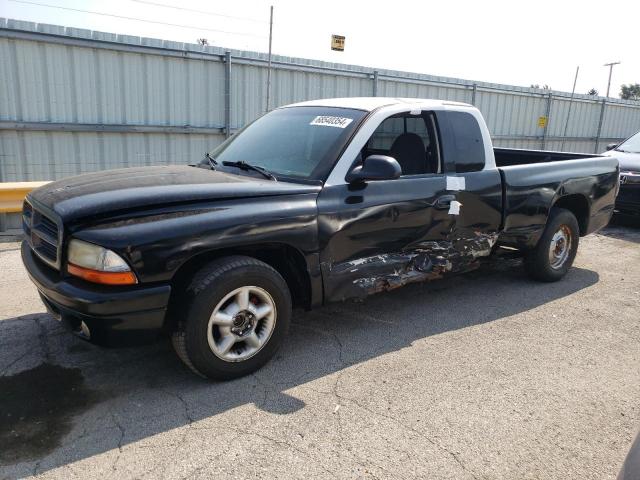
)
(212, 161)
(242, 165)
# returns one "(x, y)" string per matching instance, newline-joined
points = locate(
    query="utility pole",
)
(610, 65)
(269, 66)
(566, 124)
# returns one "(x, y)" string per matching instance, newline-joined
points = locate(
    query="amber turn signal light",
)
(106, 278)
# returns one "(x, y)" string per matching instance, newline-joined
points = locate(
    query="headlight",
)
(97, 264)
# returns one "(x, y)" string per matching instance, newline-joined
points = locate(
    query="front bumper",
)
(628, 200)
(104, 315)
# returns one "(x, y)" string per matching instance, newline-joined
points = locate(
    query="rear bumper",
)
(110, 316)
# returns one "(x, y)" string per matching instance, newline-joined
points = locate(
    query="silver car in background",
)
(628, 154)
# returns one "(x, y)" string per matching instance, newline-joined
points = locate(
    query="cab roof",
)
(372, 103)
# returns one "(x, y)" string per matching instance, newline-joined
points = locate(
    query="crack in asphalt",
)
(340, 397)
(209, 460)
(42, 339)
(185, 405)
(339, 420)
(11, 364)
(285, 443)
(436, 444)
(114, 467)
(265, 389)
(36, 466)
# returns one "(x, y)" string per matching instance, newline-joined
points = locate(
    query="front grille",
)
(629, 192)
(42, 233)
(48, 227)
(27, 213)
(48, 250)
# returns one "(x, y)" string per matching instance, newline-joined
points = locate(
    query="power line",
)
(190, 27)
(200, 11)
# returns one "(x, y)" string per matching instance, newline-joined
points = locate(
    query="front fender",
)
(157, 243)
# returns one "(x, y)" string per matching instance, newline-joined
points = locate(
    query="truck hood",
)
(104, 193)
(629, 162)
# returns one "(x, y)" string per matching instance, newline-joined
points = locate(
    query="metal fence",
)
(73, 100)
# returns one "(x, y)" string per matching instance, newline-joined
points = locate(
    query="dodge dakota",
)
(314, 202)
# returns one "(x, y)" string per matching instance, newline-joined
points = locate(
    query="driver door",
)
(379, 235)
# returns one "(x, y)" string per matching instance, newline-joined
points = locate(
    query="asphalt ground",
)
(489, 375)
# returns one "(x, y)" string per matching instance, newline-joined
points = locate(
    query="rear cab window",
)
(462, 142)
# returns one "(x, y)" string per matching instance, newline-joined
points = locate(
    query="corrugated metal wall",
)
(74, 101)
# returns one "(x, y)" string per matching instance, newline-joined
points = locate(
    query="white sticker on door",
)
(455, 183)
(454, 207)
(329, 121)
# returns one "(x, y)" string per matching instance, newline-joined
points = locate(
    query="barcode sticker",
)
(328, 121)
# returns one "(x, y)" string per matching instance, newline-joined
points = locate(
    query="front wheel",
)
(553, 256)
(238, 314)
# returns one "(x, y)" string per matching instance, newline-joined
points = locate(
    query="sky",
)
(510, 42)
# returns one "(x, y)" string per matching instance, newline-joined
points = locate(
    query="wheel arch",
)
(287, 260)
(578, 205)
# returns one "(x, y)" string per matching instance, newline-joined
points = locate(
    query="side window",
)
(410, 139)
(469, 145)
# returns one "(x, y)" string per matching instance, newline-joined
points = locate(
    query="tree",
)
(630, 92)
(593, 92)
(543, 87)
(203, 41)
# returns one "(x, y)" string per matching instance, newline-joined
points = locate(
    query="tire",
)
(562, 230)
(218, 338)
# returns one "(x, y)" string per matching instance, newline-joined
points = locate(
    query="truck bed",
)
(507, 157)
(533, 180)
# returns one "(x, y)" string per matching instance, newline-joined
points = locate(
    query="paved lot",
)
(490, 375)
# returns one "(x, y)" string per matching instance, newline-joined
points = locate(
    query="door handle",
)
(444, 202)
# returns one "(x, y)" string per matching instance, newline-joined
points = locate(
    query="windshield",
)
(295, 141)
(631, 145)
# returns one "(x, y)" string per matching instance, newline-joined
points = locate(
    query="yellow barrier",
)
(12, 195)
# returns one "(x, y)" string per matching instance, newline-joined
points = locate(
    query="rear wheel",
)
(238, 314)
(553, 256)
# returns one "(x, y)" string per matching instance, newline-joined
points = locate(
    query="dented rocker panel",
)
(422, 262)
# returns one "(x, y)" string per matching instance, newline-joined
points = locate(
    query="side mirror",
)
(375, 167)
(611, 146)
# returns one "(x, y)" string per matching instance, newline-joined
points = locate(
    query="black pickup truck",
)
(311, 203)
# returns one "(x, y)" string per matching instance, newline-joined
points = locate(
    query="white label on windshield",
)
(328, 121)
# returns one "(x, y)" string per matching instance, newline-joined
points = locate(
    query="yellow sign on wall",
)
(337, 43)
(542, 122)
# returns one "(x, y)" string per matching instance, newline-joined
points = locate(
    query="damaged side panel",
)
(421, 262)
(386, 234)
